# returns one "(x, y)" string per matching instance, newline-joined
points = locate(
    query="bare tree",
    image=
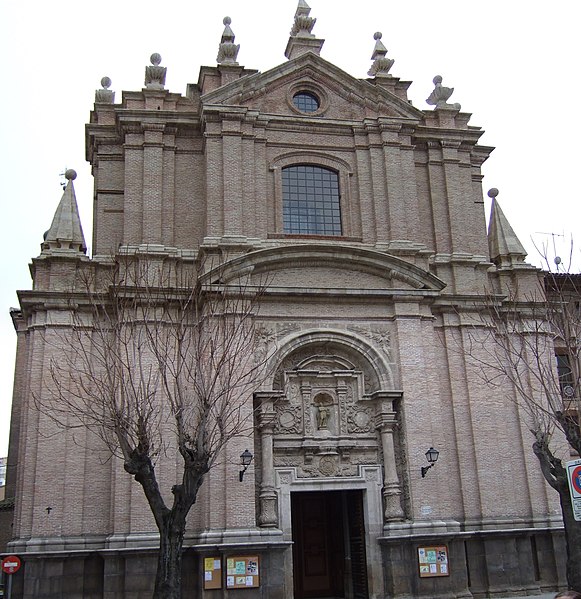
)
(161, 360)
(526, 344)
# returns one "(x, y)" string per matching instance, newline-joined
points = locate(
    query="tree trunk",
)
(170, 523)
(556, 475)
(572, 536)
(168, 580)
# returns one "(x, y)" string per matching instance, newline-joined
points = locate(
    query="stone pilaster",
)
(133, 185)
(152, 182)
(385, 424)
(233, 181)
(368, 208)
(398, 226)
(267, 515)
(438, 199)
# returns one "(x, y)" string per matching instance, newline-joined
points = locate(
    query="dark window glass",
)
(306, 102)
(565, 374)
(309, 206)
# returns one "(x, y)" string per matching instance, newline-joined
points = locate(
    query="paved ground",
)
(543, 596)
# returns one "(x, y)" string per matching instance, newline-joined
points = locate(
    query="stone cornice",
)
(464, 136)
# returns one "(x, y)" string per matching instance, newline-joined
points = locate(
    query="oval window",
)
(306, 102)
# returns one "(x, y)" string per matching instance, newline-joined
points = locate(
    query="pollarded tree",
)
(527, 346)
(161, 359)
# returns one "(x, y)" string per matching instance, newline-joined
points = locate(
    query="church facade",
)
(365, 215)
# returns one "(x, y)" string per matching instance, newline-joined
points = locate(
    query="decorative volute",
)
(503, 244)
(65, 235)
(301, 37)
(228, 50)
(439, 97)
(381, 64)
(154, 74)
(105, 95)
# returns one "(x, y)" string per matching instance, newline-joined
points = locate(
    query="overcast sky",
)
(514, 65)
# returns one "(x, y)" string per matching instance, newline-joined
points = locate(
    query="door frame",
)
(369, 479)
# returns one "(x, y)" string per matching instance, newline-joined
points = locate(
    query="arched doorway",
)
(328, 474)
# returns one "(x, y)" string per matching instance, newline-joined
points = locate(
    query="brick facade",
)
(369, 327)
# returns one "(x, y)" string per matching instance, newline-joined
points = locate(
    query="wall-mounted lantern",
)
(245, 459)
(432, 457)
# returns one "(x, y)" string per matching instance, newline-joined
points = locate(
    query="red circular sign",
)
(576, 478)
(11, 564)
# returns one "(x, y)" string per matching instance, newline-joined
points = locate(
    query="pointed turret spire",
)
(381, 64)
(66, 233)
(301, 37)
(503, 244)
(228, 50)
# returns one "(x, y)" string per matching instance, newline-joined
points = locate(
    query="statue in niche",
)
(323, 418)
(323, 404)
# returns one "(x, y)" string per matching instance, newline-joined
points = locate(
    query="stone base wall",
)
(481, 565)
(131, 575)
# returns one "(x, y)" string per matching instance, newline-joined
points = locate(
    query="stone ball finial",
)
(227, 20)
(70, 174)
(377, 35)
(437, 79)
(493, 192)
(155, 59)
(105, 83)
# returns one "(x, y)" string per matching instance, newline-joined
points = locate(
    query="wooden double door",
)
(329, 545)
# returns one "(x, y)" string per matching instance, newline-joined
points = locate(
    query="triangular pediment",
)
(343, 96)
(324, 267)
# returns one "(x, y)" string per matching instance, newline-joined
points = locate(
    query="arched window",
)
(311, 200)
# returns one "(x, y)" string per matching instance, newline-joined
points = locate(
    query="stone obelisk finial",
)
(381, 64)
(154, 74)
(301, 38)
(439, 97)
(105, 95)
(228, 50)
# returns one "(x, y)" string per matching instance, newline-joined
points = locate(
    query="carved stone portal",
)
(323, 423)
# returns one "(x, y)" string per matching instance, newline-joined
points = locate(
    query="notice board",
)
(242, 572)
(433, 561)
(212, 573)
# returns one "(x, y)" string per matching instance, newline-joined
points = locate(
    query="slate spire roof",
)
(503, 244)
(65, 235)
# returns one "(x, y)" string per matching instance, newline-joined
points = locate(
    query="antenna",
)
(557, 259)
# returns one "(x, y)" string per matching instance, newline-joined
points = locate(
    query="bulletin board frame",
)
(433, 561)
(242, 571)
(213, 572)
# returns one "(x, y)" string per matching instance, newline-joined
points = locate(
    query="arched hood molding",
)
(262, 262)
(347, 348)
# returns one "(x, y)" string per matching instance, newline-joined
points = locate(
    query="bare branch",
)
(154, 357)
